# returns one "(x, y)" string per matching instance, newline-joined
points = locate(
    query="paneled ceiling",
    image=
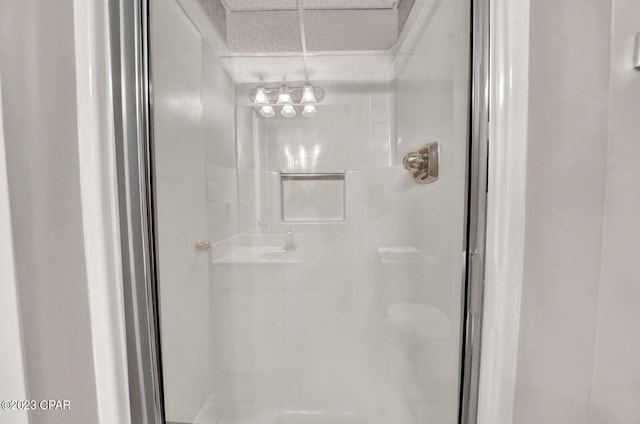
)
(337, 40)
(305, 26)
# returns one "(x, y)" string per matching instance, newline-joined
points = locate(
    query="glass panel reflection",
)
(332, 289)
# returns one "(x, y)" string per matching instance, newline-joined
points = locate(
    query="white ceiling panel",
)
(254, 5)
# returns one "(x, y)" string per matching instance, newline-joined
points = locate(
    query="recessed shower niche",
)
(312, 197)
(331, 286)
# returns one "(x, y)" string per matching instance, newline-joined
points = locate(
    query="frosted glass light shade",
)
(307, 95)
(284, 97)
(288, 111)
(261, 97)
(267, 111)
(309, 111)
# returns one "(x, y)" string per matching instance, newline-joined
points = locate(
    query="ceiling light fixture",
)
(309, 101)
(284, 100)
(288, 111)
(309, 111)
(261, 97)
(261, 101)
(307, 95)
(267, 111)
(284, 96)
(287, 98)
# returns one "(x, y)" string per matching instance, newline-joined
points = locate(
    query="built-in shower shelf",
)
(259, 255)
(312, 197)
(313, 175)
(402, 254)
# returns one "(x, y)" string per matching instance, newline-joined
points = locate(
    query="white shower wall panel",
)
(246, 150)
(218, 125)
(218, 112)
(222, 203)
(313, 329)
(410, 216)
(352, 129)
(196, 198)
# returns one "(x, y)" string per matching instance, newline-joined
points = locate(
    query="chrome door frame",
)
(131, 90)
(476, 210)
(131, 86)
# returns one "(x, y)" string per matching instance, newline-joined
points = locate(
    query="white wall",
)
(578, 330)
(352, 129)
(39, 108)
(12, 365)
(566, 176)
(616, 377)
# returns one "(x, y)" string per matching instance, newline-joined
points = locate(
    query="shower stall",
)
(310, 175)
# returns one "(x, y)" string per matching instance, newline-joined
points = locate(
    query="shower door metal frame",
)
(131, 91)
(476, 213)
(132, 95)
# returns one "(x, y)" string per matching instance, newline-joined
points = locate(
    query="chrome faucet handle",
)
(423, 164)
(413, 162)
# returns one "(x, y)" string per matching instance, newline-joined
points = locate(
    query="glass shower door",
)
(304, 274)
